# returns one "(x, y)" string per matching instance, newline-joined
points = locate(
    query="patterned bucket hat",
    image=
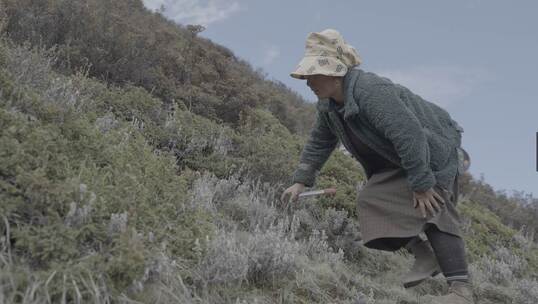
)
(328, 54)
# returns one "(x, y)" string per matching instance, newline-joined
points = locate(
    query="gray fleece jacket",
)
(407, 130)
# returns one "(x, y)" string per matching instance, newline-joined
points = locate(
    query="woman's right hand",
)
(293, 192)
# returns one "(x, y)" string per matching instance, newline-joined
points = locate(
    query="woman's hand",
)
(428, 200)
(293, 192)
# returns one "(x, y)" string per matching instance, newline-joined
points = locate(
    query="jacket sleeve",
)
(389, 115)
(319, 146)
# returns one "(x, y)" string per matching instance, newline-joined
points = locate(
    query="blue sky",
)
(477, 59)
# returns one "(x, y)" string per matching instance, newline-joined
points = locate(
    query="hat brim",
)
(316, 65)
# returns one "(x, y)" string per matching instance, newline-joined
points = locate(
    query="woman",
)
(408, 148)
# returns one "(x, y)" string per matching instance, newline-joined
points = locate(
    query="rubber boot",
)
(425, 264)
(458, 293)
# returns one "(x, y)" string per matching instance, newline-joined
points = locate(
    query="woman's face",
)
(322, 85)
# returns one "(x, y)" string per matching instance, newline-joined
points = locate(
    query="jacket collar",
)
(350, 106)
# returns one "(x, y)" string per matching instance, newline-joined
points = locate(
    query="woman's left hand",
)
(428, 200)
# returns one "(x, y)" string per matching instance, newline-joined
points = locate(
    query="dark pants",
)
(449, 250)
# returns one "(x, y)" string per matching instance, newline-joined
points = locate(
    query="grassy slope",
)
(91, 211)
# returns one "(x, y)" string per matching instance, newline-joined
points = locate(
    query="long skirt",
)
(386, 210)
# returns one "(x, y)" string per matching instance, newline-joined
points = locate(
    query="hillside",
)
(169, 60)
(142, 164)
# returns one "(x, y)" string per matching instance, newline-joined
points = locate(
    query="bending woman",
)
(408, 149)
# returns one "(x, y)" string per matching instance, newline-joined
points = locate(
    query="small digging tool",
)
(329, 191)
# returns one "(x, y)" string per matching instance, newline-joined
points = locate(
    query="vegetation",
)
(519, 210)
(144, 165)
(168, 60)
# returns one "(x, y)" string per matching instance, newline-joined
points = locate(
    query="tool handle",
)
(330, 191)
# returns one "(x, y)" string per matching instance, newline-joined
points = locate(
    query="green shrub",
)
(485, 231)
(343, 173)
(77, 197)
(269, 150)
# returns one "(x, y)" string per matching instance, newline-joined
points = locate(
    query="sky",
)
(476, 59)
